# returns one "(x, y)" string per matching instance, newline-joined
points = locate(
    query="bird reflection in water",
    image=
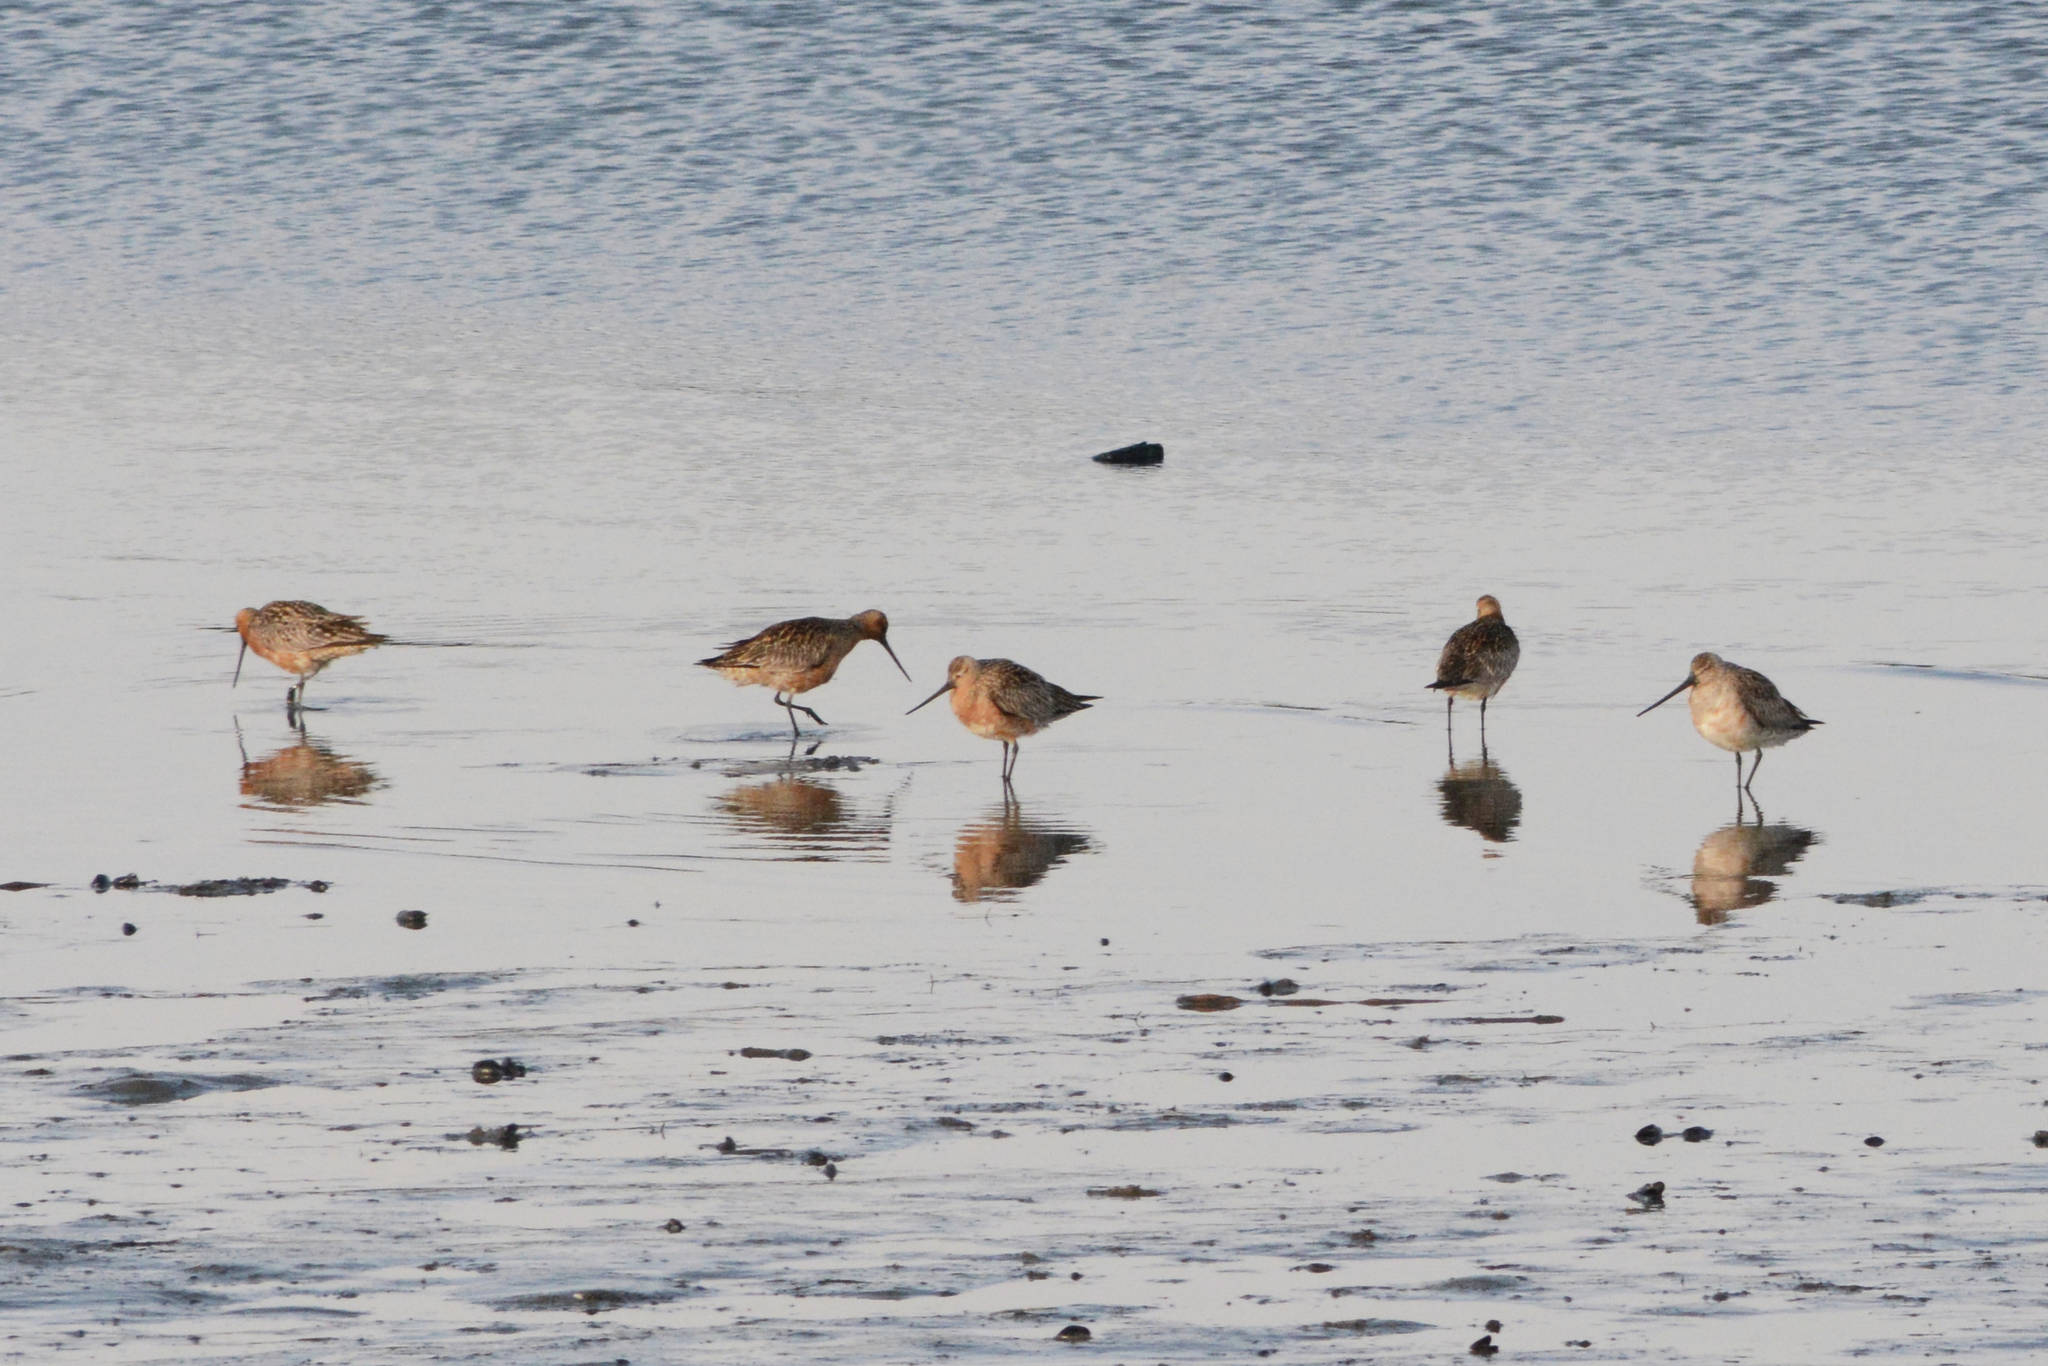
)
(304, 774)
(1006, 851)
(1479, 797)
(1730, 870)
(805, 816)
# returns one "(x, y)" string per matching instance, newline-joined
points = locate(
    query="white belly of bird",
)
(1725, 722)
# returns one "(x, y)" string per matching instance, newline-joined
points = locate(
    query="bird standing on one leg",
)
(1737, 709)
(301, 638)
(796, 656)
(1477, 660)
(1000, 699)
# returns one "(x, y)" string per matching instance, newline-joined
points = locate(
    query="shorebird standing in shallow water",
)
(1000, 699)
(301, 638)
(1737, 709)
(796, 656)
(1477, 659)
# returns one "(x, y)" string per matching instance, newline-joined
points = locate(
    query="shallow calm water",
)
(567, 344)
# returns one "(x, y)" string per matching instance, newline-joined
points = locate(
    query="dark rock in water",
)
(831, 1171)
(1650, 1196)
(728, 1146)
(1649, 1135)
(232, 886)
(1484, 1347)
(493, 1070)
(1074, 1332)
(2041, 1138)
(1140, 453)
(672, 1226)
(1208, 1000)
(1698, 1133)
(1873, 1142)
(412, 920)
(793, 1054)
(158, 1088)
(1493, 1325)
(1284, 986)
(127, 928)
(506, 1137)
(31, 886)
(100, 882)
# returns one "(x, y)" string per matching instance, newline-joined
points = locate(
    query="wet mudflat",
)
(895, 1069)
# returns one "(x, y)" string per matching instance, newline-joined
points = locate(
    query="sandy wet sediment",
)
(1027, 1138)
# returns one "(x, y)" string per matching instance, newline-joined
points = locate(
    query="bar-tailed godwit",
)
(796, 656)
(1477, 659)
(1000, 699)
(301, 638)
(1737, 709)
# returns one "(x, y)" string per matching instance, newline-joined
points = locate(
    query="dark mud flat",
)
(917, 1161)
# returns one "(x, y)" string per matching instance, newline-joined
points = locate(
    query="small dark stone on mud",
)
(672, 1226)
(1484, 1347)
(1073, 1332)
(412, 920)
(1226, 1076)
(316, 915)
(1873, 1142)
(31, 886)
(831, 1171)
(949, 1122)
(127, 882)
(1105, 943)
(316, 885)
(1131, 1192)
(2041, 1138)
(1649, 1135)
(127, 928)
(1650, 1196)
(1365, 1237)
(1316, 1268)
(1493, 1325)
(817, 1159)
(1137, 453)
(728, 1146)
(100, 882)
(1208, 1000)
(507, 1137)
(1698, 1133)
(793, 1054)
(632, 924)
(492, 1070)
(1281, 986)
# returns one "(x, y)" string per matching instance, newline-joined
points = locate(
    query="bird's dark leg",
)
(1009, 760)
(1752, 769)
(1482, 723)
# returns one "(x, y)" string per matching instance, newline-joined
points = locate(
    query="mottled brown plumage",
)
(1000, 699)
(1737, 709)
(796, 656)
(1477, 659)
(301, 638)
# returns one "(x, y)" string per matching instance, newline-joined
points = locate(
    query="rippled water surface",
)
(567, 343)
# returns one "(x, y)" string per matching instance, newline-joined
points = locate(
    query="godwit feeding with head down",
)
(1000, 699)
(1477, 659)
(796, 656)
(1737, 709)
(301, 638)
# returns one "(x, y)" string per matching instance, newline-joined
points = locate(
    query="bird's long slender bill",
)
(238, 664)
(1689, 681)
(897, 662)
(934, 697)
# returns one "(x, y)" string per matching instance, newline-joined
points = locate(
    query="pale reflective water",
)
(566, 344)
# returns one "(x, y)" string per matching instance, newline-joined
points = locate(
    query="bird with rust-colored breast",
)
(1000, 699)
(1477, 659)
(301, 638)
(796, 656)
(1737, 709)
